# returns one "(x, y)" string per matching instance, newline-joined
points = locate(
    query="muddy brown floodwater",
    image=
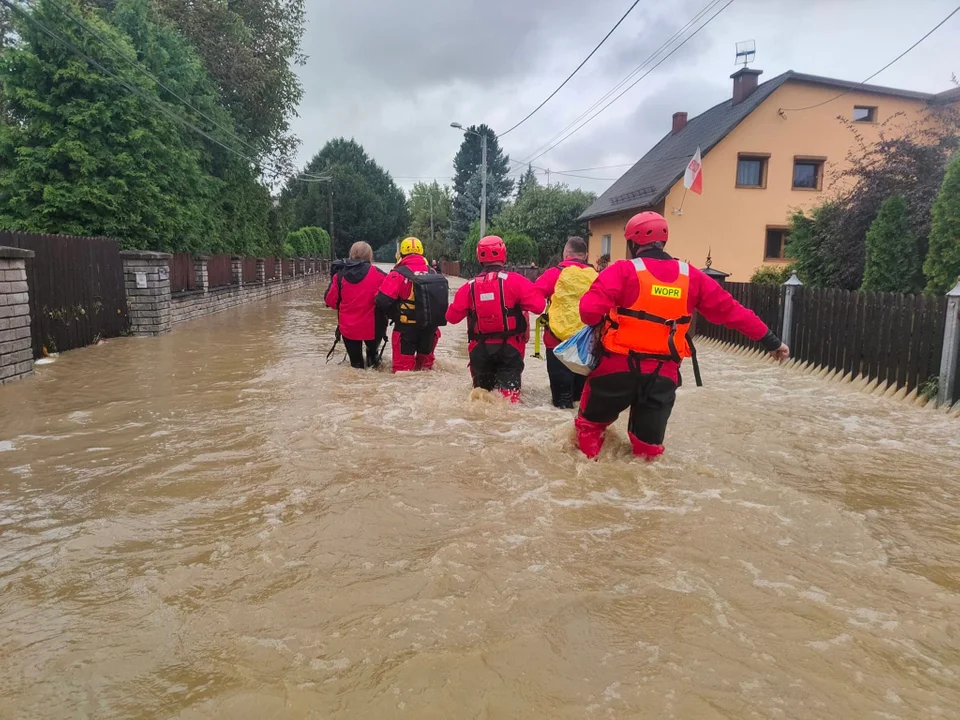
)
(216, 524)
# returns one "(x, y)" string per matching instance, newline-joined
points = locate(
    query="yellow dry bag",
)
(564, 310)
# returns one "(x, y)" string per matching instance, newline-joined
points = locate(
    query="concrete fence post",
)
(262, 271)
(236, 270)
(200, 272)
(146, 278)
(950, 356)
(16, 343)
(789, 297)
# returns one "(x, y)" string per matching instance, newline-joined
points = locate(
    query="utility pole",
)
(548, 177)
(432, 243)
(333, 244)
(483, 191)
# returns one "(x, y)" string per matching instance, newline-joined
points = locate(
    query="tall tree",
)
(527, 180)
(367, 204)
(909, 162)
(467, 180)
(942, 266)
(812, 244)
(250, 48)
(84, 155)
(426, 200)
(893, 261)
(548, 215)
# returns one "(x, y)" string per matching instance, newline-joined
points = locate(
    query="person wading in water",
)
(352, 293)
(644, 307)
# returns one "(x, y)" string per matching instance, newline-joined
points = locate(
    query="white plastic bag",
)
(580, 352)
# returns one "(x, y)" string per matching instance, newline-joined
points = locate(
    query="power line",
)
(896, 59)
(29, 16)
(710, 5)
(598, 167)
(630, 87)
(570, 76)
(582, 177)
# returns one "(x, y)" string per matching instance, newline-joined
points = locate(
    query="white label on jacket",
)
(487, 297)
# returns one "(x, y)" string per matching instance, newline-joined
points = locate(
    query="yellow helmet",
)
(411, 246)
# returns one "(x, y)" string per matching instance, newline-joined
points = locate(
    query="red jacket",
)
(396, 286)
(356, 309)
(617, 286)
(516, 290)
(547, 285)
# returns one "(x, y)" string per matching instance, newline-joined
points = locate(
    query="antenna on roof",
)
(746, 52)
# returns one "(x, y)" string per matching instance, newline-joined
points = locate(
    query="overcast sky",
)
(393, 74)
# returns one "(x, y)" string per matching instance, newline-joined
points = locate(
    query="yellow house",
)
(770, 149)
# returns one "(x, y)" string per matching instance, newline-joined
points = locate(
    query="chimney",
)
(744, 83)
(679, 122)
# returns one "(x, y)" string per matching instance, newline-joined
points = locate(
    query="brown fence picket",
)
(76, 289)
(182, 275)
(889, 337)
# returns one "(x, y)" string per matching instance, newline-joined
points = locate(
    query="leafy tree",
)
(367, 204)
(385, 253)
(910, 162)
(942, 266)
(521, 250)
(812, 243)
(893, 262)
(548, 215)
(83, 155)
(309, 242)
(527, 180)
(419, 204)
(467, 182)
(771, 274)
(250, 49)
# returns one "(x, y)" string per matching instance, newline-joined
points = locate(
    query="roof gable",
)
(651, 178)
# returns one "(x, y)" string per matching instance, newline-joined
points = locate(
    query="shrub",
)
(772, 274)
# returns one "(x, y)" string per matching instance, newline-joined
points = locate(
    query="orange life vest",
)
(655, 326)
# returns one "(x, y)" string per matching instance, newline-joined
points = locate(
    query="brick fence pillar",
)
(16, 344)
(279, 262)
(200, 272)
(236, 269)
(146, 277)
(301, 266)
(262, 271)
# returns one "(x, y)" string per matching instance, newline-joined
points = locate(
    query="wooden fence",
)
(249, 273)
(70, 308)
(765, 300)
(219, 271)
(183, 277)
(888, 337)
(270, 269)
(287, 267)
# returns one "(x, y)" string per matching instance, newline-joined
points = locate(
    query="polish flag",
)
(693, 176)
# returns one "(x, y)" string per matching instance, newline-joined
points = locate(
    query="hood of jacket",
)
(354, 271)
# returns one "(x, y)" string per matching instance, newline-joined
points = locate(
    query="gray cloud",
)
(393, 75)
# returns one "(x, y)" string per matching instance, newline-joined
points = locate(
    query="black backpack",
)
(431, 295)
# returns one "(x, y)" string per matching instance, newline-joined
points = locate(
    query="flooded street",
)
(216, 524)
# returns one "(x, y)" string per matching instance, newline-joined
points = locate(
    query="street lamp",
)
(483, 171)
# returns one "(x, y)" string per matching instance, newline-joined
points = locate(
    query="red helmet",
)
(647, 227)
(491, 249)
